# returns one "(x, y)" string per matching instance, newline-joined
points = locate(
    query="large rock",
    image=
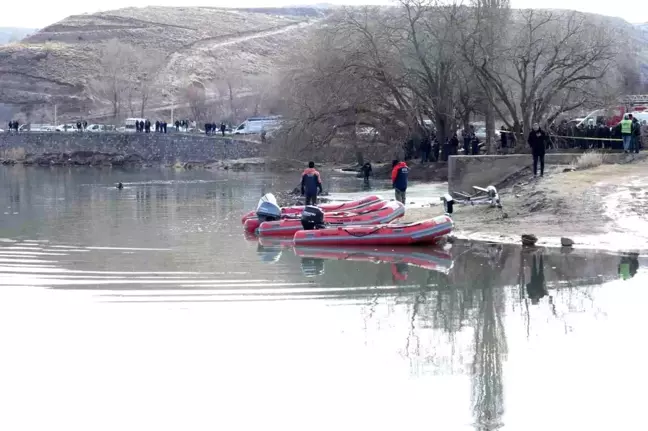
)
(529, 240)
(566, 242)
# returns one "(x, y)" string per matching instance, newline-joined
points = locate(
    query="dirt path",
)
(210, 44)
(220, 41)
(604, 207)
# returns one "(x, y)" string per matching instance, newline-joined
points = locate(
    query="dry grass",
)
(589, 159)
(14, 154)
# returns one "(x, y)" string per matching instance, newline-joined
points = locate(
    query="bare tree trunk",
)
(491, 142)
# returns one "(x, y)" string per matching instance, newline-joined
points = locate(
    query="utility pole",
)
(172, 115)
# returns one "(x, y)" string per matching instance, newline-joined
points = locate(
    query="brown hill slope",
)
(57, 64)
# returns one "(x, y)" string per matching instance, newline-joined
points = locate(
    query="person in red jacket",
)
(399, 179)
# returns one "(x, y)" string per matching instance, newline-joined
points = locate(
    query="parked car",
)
(480, 132)
(66, 128)
(36, 128)
(258, 124)
(96, 128)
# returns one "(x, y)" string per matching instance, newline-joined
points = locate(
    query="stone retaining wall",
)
(464, 172)
(152, 148)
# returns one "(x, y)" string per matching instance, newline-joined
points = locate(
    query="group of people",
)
(13, 126)
(431, 150)
(143, 126)
(213, 128)
(81, 125)
(311, 180)
(630, 129)
(184, 124)
(160, 126)
(507, 139)
(597, 135)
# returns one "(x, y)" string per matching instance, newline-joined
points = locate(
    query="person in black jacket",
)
(366, 171)
(311, 183)
(538, 142)
(636, 135)
(537, 286)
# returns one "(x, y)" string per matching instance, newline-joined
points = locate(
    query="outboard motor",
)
(267, 209)
(312, 218)
(494, 197)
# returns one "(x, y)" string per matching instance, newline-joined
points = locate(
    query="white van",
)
(36, 128)
(129, 125)
(258, 125)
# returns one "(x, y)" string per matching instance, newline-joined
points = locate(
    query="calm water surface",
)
(147, 309)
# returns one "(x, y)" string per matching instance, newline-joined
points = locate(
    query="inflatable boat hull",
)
(251, 225)
(380, 213)
(427, 231)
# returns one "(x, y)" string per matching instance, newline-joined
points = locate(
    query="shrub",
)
(589, 159)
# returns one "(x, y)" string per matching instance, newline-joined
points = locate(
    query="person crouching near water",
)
(399, 179)
(311, 183)
(538, 144)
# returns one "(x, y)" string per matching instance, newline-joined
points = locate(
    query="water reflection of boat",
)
(432, 258)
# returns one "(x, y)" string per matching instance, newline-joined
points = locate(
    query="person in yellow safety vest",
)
(626, 132)
(628, 266)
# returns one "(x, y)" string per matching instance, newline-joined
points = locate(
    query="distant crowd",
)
(429, 149)
(213, 128)
(595, 135)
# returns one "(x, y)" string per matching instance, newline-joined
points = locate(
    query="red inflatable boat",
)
(427, 231)
(434, 259)
(334, 207)
(251, 225)
(378, 213)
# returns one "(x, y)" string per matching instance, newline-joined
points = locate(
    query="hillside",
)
(207, 47)
(58, 63)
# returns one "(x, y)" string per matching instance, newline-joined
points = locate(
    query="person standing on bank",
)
(538, 144)
(626, 132)
(311, 183)
(399, 179)
(366, 171)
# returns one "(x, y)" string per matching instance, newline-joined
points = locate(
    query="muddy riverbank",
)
(603, 207)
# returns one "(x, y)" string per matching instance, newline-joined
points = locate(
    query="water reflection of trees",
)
(471, 298)
(474, 298)
(490, 351)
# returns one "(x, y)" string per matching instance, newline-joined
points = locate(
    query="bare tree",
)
(116, 74)
(543, 69)
(393, 68)
(146, 77)
(196, 99)
(434, 58)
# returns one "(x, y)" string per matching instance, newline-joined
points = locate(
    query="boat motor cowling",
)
(312, 218)
(267, 209)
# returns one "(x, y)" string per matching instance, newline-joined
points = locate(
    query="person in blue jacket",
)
(311, 183)
(399, 179)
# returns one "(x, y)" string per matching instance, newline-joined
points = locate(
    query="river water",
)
(147, 309)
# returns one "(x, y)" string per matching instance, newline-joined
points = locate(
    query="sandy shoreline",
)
(602, 208)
